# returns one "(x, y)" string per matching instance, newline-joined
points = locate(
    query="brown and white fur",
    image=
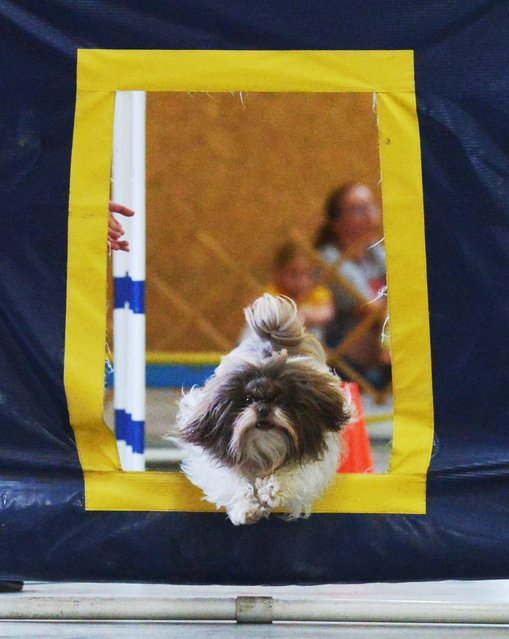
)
(264, 431)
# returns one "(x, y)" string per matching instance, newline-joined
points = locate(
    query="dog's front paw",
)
(269, 492)
(246, 509)
(239, 514)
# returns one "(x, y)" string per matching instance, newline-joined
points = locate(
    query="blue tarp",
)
(462, 86)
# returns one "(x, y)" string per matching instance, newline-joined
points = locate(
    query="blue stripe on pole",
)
(121, 291)
(137, 296)
(129, 292)
(121, 420)
(136, 436)
(130, 431)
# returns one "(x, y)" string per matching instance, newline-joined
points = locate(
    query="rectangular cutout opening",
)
(255, 192)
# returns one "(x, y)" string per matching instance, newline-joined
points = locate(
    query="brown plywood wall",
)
(238, 171)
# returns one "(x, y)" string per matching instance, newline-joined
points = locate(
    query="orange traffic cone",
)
(357, 456)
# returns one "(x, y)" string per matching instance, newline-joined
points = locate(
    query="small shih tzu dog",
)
(263, 434)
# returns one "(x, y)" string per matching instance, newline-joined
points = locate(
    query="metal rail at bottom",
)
(248, 609)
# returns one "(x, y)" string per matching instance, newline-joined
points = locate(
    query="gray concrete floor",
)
(154, 630)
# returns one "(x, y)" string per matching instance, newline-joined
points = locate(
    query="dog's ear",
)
(319, 408)
(318, 399)
(210, 424)
(334, 406)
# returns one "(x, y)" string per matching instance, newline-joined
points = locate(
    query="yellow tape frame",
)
(389, 74)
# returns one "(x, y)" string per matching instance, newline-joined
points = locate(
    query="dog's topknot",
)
(276, 319)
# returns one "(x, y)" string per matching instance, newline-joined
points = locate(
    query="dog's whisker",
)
(283, 423)
(241, 426)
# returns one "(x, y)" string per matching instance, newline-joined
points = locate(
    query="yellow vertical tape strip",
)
(400, 161)
(86, 280)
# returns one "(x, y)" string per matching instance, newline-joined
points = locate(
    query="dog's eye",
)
(249, 399)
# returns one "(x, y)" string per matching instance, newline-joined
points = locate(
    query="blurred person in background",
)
(350, 241)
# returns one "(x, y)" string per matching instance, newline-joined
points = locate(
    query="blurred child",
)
(293, 275)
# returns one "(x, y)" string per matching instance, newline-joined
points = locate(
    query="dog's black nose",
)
(263, 411)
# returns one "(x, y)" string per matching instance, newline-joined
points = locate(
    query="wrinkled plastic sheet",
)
(461, 50)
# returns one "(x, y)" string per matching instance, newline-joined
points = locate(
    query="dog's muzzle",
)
(263, 422)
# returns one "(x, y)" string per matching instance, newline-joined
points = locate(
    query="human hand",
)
(115, 230)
